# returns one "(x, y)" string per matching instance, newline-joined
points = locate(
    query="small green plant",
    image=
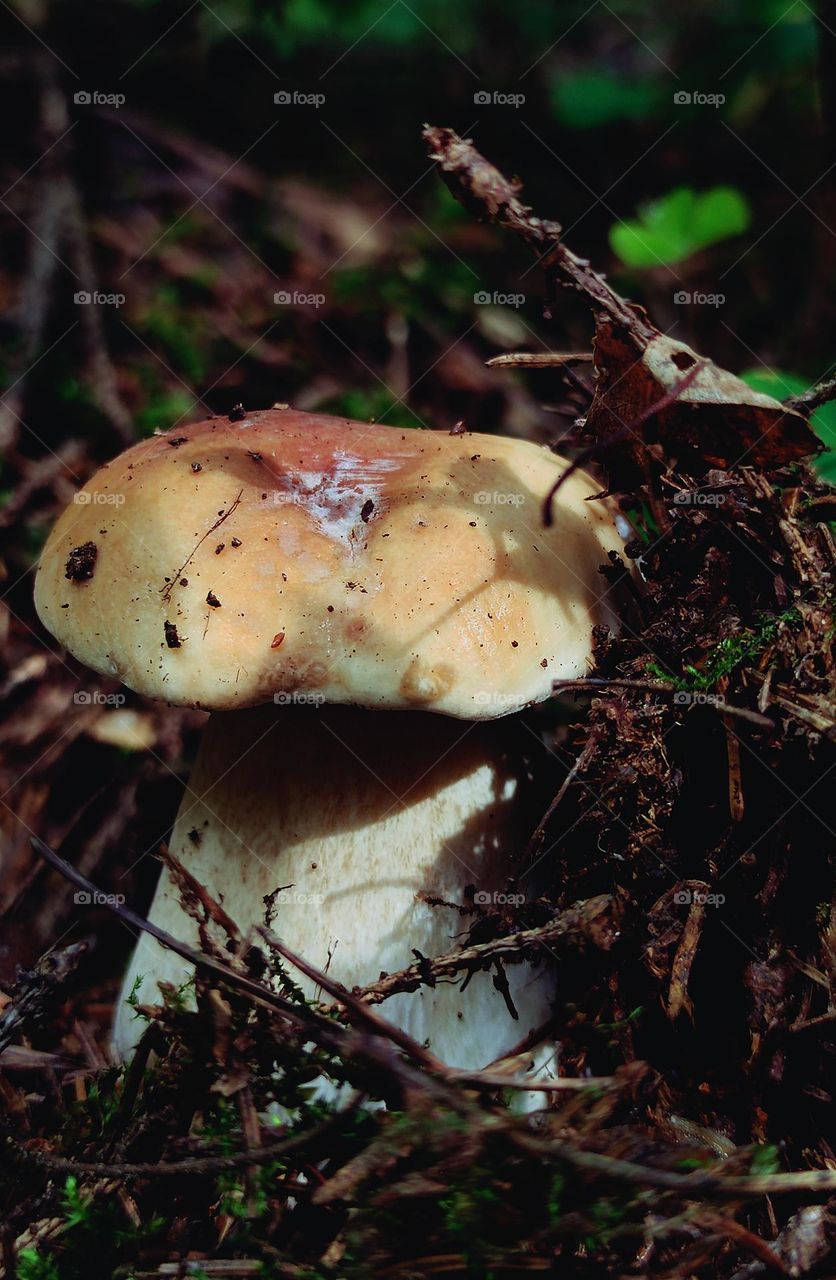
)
(31, 1265)
(677, 225)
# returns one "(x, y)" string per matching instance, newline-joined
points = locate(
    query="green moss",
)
(730, 653)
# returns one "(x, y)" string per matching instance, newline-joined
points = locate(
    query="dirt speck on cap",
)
(213, 601)
(238, 413)
(171, 637)
(81, 562)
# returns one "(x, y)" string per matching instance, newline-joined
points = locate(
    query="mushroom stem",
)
(378, 829)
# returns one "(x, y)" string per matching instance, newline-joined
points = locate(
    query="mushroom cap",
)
(303, 558)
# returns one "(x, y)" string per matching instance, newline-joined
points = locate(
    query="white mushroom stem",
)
(362, 820)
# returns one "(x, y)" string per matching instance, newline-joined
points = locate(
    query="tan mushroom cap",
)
(298, 556)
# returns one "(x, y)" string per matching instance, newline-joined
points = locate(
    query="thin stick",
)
(657, 686)
(195, 1166)
(538, 359)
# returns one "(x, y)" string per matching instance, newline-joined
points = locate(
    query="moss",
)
(730, 653)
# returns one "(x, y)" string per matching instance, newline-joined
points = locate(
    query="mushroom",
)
(357, 606)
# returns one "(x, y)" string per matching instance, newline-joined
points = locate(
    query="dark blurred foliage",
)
(203, 197)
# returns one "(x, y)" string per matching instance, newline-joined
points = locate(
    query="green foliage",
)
(373, 405)
(781, 385)
(586, 99)
(179, 331)
(32, 1266)
(679, 224)
(76, 1210)
(727, 655)
(765, 1159)
(93, 1227)
(133, 997)
(605, 1215)
(554, 1203)
(339, 23)
(161, 408)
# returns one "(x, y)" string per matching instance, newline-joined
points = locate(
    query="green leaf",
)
(678, 224)
(719, 214)
(781, 385)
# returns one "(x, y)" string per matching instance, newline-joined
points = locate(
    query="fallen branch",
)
(486, 192)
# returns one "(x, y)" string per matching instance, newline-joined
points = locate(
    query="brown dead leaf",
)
(717, 421)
